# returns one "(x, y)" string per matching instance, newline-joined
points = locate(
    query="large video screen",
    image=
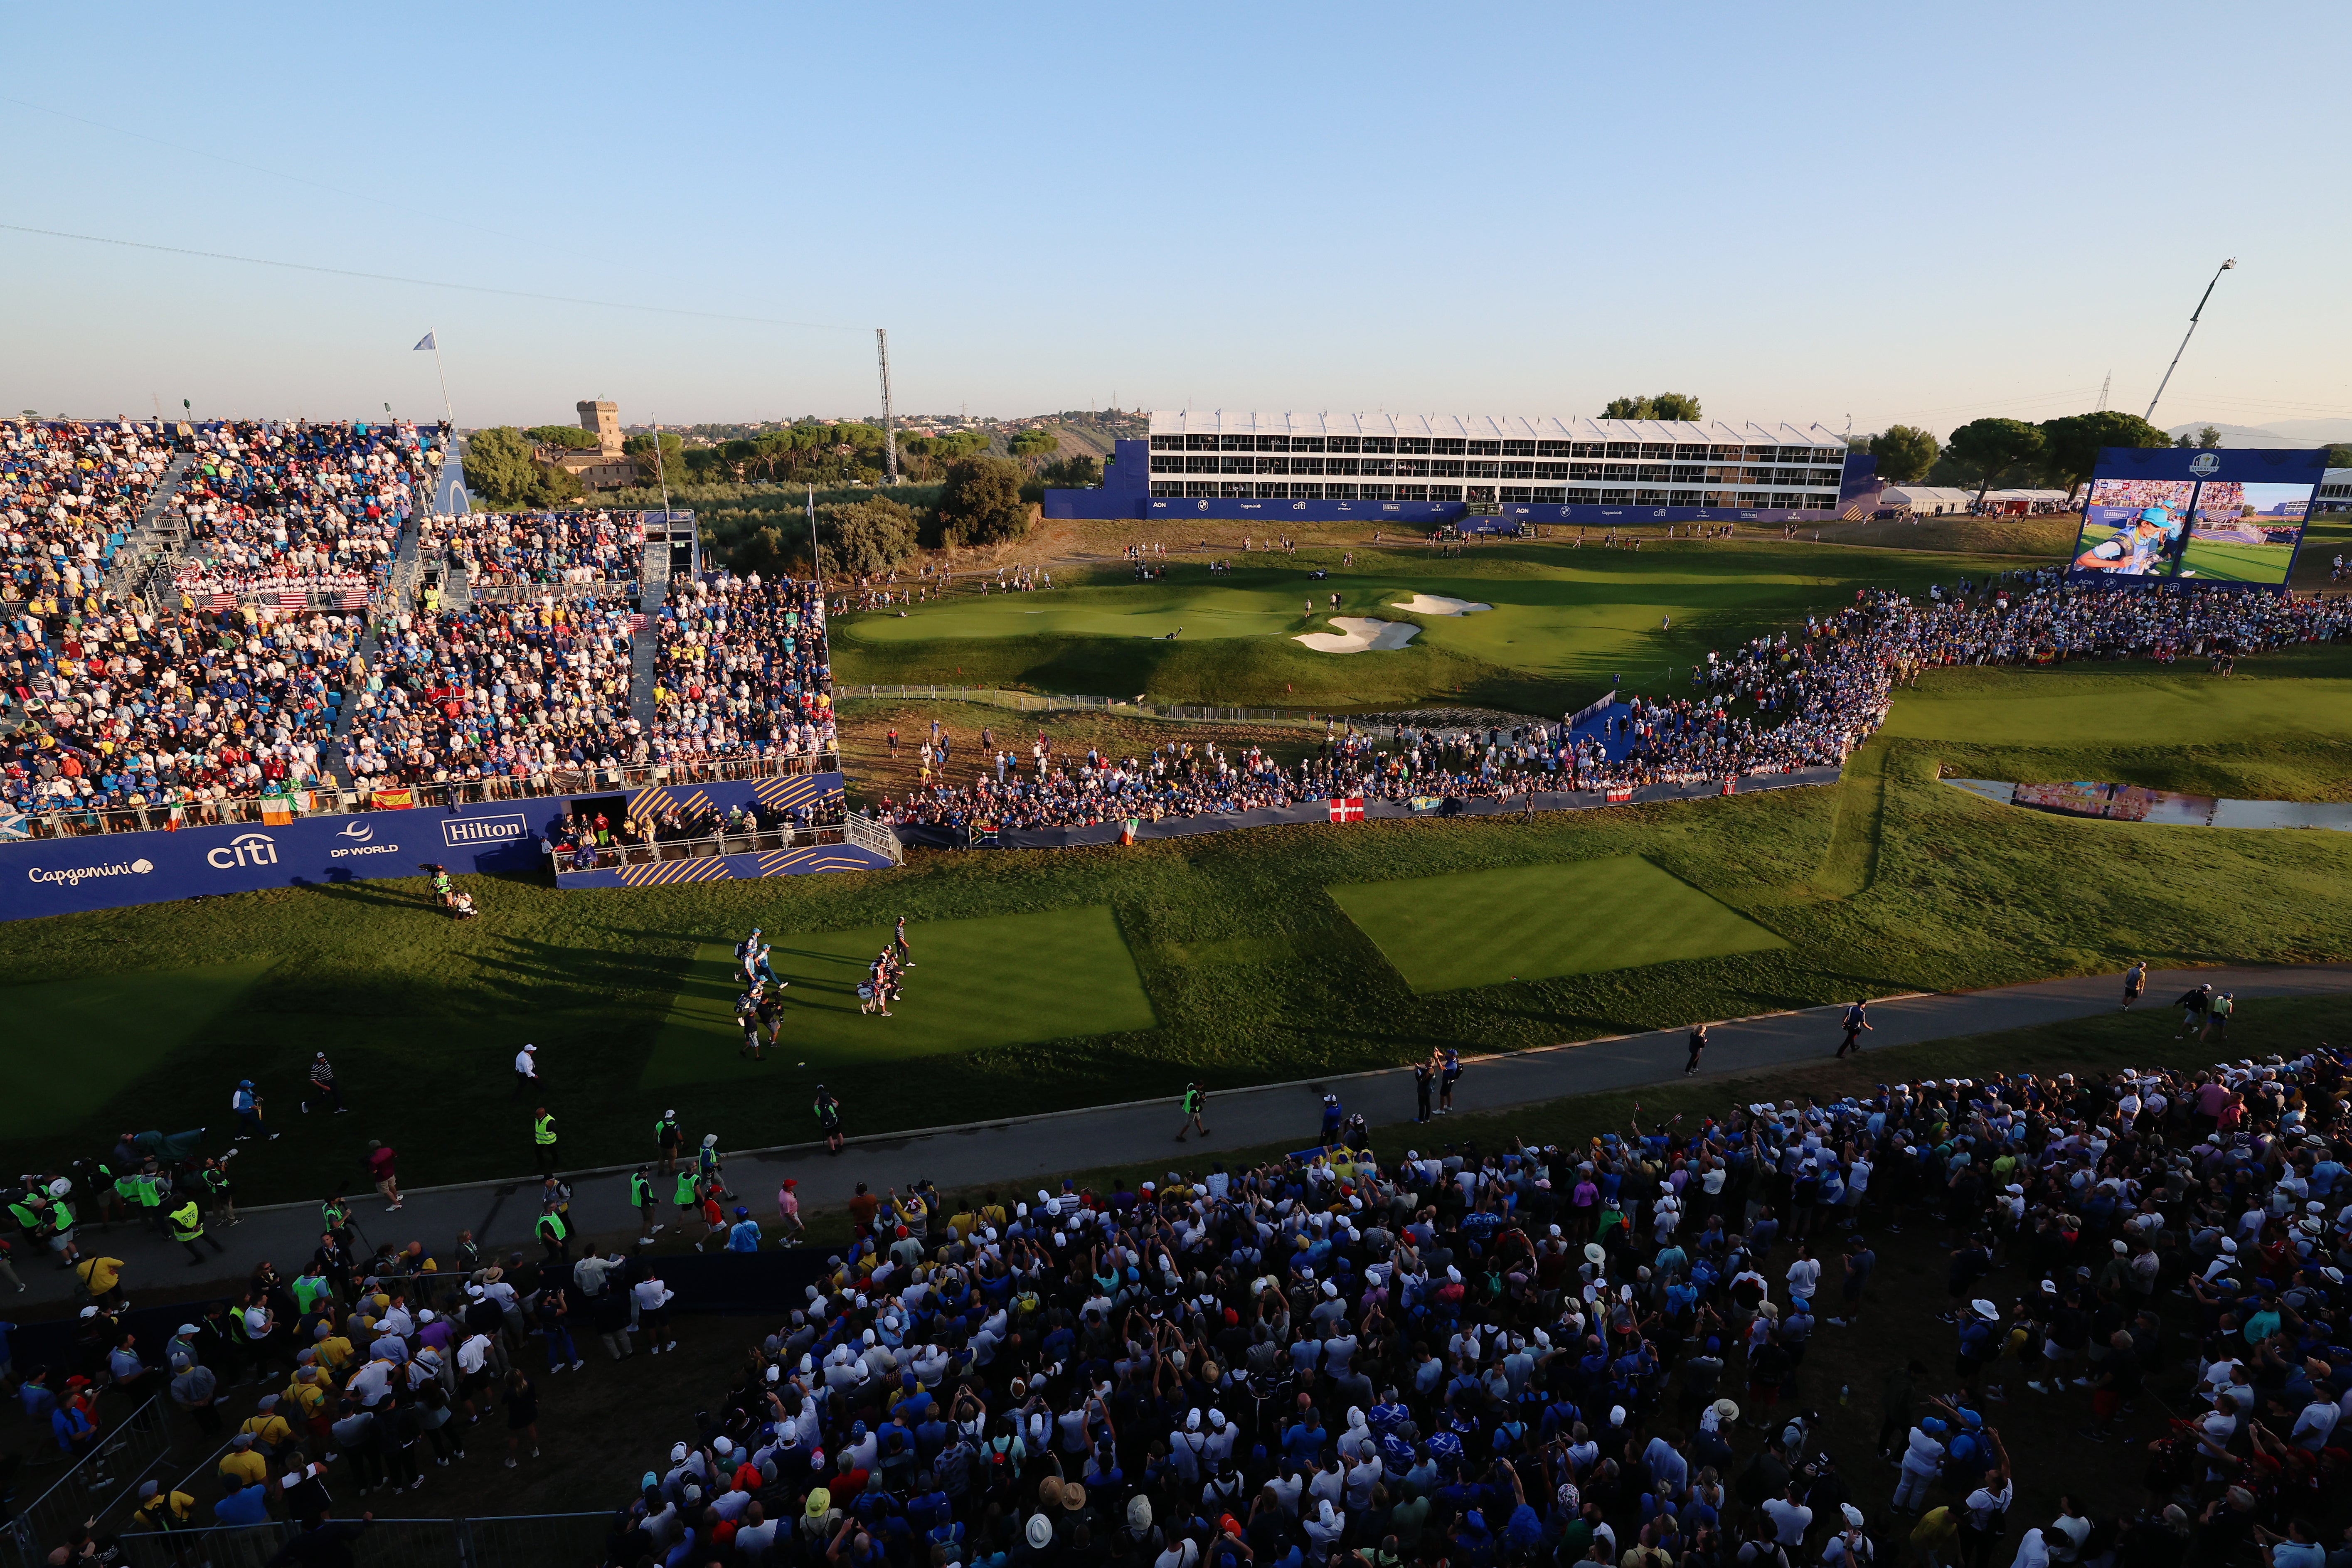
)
(2232, 517)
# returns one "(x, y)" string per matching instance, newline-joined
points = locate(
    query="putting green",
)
(1533, 923)
(2055, 708)
(1009, 980)
(81, 1041)
(1148, 611)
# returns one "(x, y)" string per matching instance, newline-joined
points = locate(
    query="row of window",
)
(1470, 469)
(1532, 495)
(1444, 447)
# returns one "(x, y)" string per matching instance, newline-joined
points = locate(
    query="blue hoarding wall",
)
(106, 871)
(1125, 494)
(2186, 517)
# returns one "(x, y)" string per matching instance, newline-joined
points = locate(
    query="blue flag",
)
(423, 343)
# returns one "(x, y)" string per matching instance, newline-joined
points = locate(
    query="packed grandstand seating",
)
(69, 493)
(1553, 1355)
(740, 670)
(500, 691)
(1813, 698)
(288, 509)
(499, 550)
(127, 707)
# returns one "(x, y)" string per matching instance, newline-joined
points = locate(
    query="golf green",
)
(62, 1073)
(1535, 923)
(1004, 981)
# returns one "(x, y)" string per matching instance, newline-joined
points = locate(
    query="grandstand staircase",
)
(653, 589)
(155, 532)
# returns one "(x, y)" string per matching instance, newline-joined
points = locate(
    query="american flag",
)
(220, 602)
(637, 621)
(293, 599)
(353, 599)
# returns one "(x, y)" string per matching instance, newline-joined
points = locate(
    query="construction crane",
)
(889, 424)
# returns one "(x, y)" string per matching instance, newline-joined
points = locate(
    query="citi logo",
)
(245, 850)
(357, 832)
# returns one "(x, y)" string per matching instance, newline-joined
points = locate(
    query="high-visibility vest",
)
(686, 1185)
(544, 1129)
(552, 1226)
(187, 1222)
(641, 1192)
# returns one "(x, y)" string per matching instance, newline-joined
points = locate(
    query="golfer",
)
(828, 1119)
(1857, 1020)
(1196, 1095)
(1698, 1044)
(2135, 982)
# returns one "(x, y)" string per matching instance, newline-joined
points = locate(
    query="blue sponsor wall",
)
(112, 870)
(1126, 492)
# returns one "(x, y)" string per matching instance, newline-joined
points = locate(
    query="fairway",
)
(2234, 561)
(1009, 980)
(143, 1019)
(1534, 922)
(1565, 622)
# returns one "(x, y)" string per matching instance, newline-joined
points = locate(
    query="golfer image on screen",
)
(2135, 551)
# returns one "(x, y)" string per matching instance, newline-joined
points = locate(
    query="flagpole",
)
(816, 556)
(449, 413)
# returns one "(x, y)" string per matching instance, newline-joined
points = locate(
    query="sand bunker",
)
(1438, 605)
(1359, 634)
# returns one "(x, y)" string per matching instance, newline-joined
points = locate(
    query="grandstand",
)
(254, 621)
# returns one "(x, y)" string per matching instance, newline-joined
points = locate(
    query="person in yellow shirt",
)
(102, 1278)
(267, 1429)
(162, 1510)
(333, 1351)
(242, 1462)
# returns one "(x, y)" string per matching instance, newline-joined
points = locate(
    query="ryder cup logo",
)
(245, 850)
(2205, 465)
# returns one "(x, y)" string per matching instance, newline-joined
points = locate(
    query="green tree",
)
(2339, 454)
(1034, 442)
(866, 537)
(981, 502)
(1904, 453)
(2208, 437)
(569, 437)
(1659, 405)
(500, 470)
(2070, 446)
(1083, 473)
(1992, 452)
(672, 457)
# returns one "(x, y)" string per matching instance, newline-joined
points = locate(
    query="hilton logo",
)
(2205, 465)
(456, 832)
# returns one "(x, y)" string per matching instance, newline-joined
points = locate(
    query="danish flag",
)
(1348, 808)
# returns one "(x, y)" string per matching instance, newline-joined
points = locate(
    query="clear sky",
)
(1898, 213)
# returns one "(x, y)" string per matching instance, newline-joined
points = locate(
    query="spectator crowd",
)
(498, 550)
(741, 671)
(284, 509)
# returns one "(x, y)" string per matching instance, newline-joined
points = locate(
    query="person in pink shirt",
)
(788, 1209)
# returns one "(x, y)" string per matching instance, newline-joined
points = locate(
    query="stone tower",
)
(604, 420)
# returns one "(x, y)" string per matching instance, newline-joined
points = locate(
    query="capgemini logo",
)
(245, 850)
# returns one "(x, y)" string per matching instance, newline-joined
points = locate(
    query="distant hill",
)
(2301, 433)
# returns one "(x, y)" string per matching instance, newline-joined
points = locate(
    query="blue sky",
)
(1895, 212)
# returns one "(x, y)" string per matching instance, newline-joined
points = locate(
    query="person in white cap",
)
(526, 1067)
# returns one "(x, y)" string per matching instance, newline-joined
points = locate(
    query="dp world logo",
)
(2205, 465)
(245, 850)
(357, 832)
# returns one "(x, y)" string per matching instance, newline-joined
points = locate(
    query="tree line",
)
(1996, 453)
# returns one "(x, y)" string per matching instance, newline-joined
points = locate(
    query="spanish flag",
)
(400, 799)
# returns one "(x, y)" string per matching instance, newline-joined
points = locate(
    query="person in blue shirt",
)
(743, 1236)
(243, 1505)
